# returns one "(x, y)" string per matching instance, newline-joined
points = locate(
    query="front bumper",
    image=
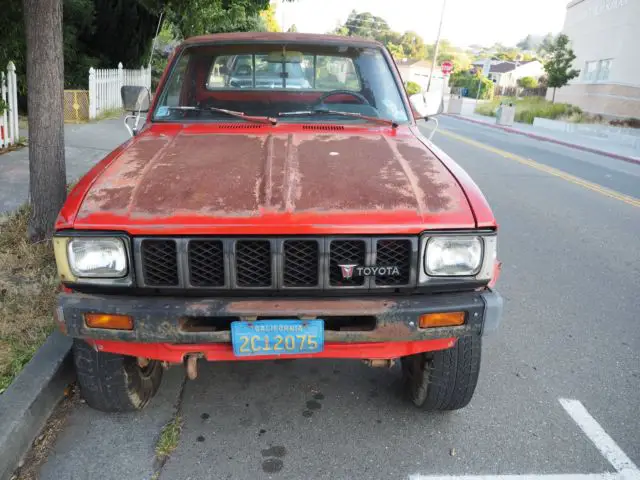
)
(164, 320)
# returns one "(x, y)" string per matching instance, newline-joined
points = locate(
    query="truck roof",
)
(275, 37)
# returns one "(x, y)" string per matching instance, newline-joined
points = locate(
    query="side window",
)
(174, 86)
(336, 73)
(219, 72)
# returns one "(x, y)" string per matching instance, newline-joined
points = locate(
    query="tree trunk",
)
(553, 98)
(45, 86)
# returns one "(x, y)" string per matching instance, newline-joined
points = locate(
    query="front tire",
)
(445, 379)
(114, 383)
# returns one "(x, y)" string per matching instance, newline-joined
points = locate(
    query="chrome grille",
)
(290, 263)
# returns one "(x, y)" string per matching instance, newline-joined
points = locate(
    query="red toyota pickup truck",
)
(278, 202)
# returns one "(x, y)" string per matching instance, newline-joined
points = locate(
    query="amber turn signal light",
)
(103, 320)
(447, 319)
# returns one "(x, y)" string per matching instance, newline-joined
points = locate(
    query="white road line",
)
(569, 476)
(626, 469)
(603, 442)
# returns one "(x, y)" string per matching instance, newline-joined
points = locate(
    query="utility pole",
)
(437, 45)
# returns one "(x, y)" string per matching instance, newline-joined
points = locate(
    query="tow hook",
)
(380, 363)
(191, 364)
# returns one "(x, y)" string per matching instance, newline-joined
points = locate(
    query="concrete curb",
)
(26, 405)
(548, 139)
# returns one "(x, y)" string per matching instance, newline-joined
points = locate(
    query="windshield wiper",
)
(326, 111)
(232, 113)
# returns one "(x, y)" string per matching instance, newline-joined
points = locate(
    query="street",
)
(569, 243)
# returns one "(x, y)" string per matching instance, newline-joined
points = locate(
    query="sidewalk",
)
(85, 145)
(581, 142)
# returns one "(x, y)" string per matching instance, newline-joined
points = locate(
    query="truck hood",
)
(193, 180)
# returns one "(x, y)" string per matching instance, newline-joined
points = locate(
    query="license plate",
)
(277, 337)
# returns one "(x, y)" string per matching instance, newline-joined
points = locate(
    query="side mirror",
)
(135, 99)
(427, 104)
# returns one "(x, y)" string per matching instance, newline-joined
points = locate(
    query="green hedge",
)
(412, 88)
(472, 82)
(530, 107)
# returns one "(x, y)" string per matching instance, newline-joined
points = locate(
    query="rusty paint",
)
(311, 307)
(220, 177)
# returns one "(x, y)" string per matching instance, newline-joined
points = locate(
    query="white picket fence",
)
(9, 131)
(105, 83)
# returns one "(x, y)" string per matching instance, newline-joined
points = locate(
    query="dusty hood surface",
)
(230, 179)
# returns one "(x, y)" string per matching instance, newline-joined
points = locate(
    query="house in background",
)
(418, 71)
(507, 74)
(604, 36)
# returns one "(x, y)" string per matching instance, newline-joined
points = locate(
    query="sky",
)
(466, 22)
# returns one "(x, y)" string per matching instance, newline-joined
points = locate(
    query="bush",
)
(412, 88)
(627, 122)
(530, 107)
(528, 82)
(472, 82)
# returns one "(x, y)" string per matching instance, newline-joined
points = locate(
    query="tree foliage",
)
(269, 18)
(412, 88)
(198, 17)
(473, 82)
(407, 45)
(558, 65)
(528, 82)
(102, 33)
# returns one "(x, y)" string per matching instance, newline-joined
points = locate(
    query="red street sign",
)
(447, 67)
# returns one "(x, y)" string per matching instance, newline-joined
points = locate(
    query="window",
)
(269, 80)
(597, 70)
(590, 71)
(603, 70)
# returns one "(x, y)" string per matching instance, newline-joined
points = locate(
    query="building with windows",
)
(605, 35)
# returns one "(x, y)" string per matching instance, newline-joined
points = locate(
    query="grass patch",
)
(28, 285)
(109, 114)
(528, 108)
(169, 438)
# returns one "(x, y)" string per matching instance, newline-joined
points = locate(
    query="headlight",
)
(97, 257)
(453, 256)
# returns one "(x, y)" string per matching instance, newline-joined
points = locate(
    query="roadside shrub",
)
(529, 108)
(472, 82)
(528, 82)
(488, 109)
(627, 122)
(412, 88)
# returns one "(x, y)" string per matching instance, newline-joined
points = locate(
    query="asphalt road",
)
(571, 281)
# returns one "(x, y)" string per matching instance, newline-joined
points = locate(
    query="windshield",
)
(271, 79)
